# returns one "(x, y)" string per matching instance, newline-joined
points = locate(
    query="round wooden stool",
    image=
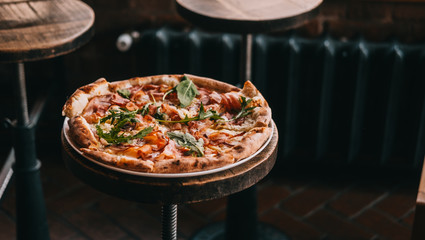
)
(30, 31)
(245, 17)
(171, 189)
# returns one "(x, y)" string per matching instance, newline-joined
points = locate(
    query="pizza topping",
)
(245, 111)
(171, 111)
(170, 152)
(145, 151)
(156, 139)
(98, 105)
(231, 101)
(146, 109)
(120, 120)
(186, 140)
(202, 115)
(215, 97)
(119, 100)
(186, 92)
(140, 97)
(125, 93)
(204, 95)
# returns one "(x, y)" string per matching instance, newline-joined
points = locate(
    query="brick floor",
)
(302, 205)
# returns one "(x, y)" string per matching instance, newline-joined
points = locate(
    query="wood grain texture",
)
(421, 191)
(418, 229)
(34, 30)
(172, 190)
(247, 16)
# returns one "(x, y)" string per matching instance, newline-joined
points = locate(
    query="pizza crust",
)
(79, 99)
(254, 139)
(81, 133)
(119, 161)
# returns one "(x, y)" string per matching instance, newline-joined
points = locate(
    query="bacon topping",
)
(215, 98)
(156, 139)
(231, 101)
(171, 111)
(170, 151)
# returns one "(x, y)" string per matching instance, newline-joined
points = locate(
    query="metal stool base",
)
(216, 231)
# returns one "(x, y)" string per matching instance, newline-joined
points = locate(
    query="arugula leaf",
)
(244, 111)
(125, 93)
(116, 115)
(189, 141)
(119, 119)
(142, 133)
(112, 137)
(211, 114)
(145, 109)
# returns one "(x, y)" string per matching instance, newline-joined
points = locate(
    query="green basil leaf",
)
(186, 92)
(189, 141)
(125, 93)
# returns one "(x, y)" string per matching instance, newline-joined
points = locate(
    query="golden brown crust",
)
(79, 99)
(119, 161)
(80, 132)
(212, 84)
(192, 164)
(255, 127)
(254, 139)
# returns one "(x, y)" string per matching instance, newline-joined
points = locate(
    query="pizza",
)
(167, 123)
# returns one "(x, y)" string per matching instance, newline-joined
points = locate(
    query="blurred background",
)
(346, 89)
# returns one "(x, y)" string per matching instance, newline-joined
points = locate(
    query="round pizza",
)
(167, 123)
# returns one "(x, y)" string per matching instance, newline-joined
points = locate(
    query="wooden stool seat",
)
(35, 30)
(174, 190)
(247, 16)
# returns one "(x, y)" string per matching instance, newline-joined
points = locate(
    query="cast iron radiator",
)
(349, 102)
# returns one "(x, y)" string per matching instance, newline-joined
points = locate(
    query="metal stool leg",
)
(31, 221)
(245, 59)
(242, 215)
(169, 222)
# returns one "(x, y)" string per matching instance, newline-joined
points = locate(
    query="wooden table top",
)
(172, 190)
(247, 16)
(34, 30)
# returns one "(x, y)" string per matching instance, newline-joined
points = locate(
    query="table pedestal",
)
(241, 221)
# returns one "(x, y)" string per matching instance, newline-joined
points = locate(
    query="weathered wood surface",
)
(247, 16)
(418, 229)
(172, 190)
(34, 30)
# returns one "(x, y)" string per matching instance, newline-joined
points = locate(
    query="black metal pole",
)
(241, 220)
(245, 58)
(31, 220)
(169, 222)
